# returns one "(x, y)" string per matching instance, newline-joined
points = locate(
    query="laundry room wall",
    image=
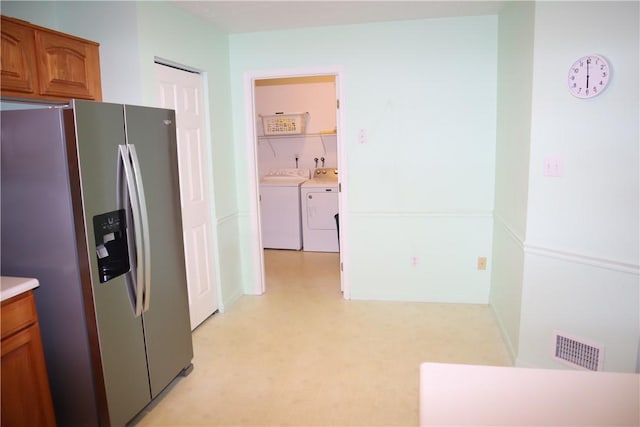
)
(315, 95)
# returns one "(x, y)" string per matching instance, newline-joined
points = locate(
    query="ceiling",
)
(242, 16)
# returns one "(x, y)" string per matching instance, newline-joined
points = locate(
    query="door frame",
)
(251, 139)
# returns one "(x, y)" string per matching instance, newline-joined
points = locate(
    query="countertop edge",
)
(13, 286)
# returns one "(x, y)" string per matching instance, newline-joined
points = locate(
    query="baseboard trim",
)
(511, 351)
(229, 301)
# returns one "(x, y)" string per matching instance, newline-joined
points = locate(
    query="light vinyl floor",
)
(300, 355)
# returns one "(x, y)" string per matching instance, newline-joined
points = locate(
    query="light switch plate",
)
(553, 166)
(362, 136)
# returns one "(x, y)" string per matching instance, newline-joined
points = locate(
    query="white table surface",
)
(471, 395)
(12, 286)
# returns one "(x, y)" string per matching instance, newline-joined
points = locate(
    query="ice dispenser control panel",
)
(112, 251)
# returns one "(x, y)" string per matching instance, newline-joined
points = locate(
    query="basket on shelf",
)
(284, 124)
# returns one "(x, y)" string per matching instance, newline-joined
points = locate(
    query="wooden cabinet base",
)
(26, 397)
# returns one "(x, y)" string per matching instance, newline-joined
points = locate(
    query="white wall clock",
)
(588, 76)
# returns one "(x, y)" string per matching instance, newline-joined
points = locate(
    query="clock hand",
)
(588, 62)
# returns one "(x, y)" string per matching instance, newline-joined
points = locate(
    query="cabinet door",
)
(18, 64)
(26, 400)
(67, 67)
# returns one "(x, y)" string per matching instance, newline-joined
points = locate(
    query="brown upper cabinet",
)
(39, 63)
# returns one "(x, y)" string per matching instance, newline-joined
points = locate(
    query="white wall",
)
(581, 270)
(316, 98)
(276, 152)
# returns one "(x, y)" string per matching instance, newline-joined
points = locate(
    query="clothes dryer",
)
(319, 209)
(280, 213)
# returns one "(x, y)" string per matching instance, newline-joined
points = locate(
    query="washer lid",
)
(281, 181)
(285, 177)
(288, 172)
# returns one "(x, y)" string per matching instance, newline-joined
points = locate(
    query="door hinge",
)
(338, 104)
(341, 267)
(339, 187)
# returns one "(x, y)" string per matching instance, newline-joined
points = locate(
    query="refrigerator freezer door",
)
(166, 323)
(99, 129)
(38, 237)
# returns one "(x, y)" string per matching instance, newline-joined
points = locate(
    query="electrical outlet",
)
(414, 261)
(482, 263)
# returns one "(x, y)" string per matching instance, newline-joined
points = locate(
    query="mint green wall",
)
(515, 79)
(170, 33)
(131, 34)
(422, 186)
(96, 20)
(582, 240)
(565, 250)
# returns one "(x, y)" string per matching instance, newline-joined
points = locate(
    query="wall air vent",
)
(578, 353)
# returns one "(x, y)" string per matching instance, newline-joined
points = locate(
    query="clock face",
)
(588, 76)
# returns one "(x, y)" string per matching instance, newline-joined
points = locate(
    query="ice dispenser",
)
(110, 231)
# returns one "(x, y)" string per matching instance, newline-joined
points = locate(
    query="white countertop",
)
(12, 286)
(471, 395)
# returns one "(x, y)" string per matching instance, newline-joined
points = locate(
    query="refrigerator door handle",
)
(125, 160)
(145, 226)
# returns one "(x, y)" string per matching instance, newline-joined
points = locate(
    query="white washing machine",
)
(280, 208)
(319, 209)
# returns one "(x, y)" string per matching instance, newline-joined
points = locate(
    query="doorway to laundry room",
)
(297, 157)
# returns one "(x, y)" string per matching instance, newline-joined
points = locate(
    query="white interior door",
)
(183, 91)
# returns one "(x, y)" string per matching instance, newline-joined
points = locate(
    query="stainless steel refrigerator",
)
(90, 207)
